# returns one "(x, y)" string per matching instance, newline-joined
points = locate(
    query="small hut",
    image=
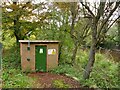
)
(38, 55)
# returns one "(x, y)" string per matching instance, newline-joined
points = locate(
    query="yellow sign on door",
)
(51, 51)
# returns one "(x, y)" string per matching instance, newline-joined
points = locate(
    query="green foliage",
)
(11, 57)
(112, 38)
(7, 37)
(104, 74)
(67, 46)
(12, 75)
(63, 69)
(53, 22)
(60, 84)
(14, 78)
(17, 19)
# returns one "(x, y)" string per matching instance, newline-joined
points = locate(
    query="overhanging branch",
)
(88, 9)
(104, 22)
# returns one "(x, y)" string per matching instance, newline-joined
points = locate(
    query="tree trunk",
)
(16, 36)
(17, 32)
(91, 60)
(73, 13)
(118, 33)
(16, 25)
(90, 63)
(74, 53)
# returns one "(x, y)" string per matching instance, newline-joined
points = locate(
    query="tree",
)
(105, 10)
(20, 18)
(78, 26)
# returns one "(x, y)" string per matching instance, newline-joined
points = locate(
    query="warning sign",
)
(51, 51)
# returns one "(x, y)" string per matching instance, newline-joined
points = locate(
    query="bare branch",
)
(100, 11)
(9, 2)
(88, 9)
(112, 23)
(86, 33)
(86, 29)
(104, 22)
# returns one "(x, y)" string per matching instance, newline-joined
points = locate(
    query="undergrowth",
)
(103, 75)
(12, 76)
(60, 84)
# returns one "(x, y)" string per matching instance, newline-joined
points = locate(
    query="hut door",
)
(40, 58)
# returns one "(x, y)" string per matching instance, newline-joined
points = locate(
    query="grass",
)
(103, 75)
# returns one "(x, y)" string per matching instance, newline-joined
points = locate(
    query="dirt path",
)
(45, 80)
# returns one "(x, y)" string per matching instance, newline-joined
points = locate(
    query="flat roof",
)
(41, 41)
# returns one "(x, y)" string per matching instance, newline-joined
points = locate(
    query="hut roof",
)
(39, 41)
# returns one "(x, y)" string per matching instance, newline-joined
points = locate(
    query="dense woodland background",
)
(89, 33)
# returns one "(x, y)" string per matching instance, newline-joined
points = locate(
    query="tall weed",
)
(103, 75)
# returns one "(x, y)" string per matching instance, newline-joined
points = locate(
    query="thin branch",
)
(100, 11)
(84, 28)
(104, 22)
(88, 9)
(86, 33)
(9, 2)
(108, 5)
(112, 23)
